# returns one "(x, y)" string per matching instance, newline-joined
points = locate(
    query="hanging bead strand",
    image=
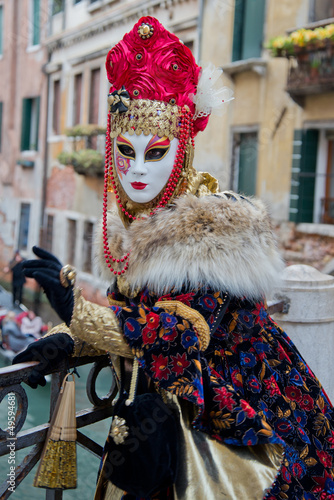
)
(108, 171)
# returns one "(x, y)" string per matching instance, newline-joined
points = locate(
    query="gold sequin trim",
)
(147, 117)
(58, 467)
(186, 312)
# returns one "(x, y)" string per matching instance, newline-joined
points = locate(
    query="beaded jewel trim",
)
(147, 117)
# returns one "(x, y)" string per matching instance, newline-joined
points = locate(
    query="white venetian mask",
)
(143, 164)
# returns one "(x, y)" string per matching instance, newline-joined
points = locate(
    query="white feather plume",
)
(209, 98)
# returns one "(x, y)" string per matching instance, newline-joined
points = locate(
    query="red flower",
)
(306, 402)
(160, 367)
(152, 320)
(170, 335)
(186, 298)
(260, 314)
(180, 363)
(250, 412)
(149, 335)
(224, 398)
(271, 386)
(331, 440)
(293, 393)
(198, 397)
(325, 458)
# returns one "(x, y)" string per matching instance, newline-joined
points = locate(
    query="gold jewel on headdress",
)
(145, 31)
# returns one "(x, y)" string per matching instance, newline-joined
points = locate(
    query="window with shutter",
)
(245, 167)
(35, 22)
(248, 29)
(303, 175)
(49, 233)
(30, 124)
(77, 98)
(94, 101)
(71, 240)
(24, 226)
(320, 9)
(56, 107)
(87, 247)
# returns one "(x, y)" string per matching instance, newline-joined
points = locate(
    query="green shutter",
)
(247, 164)
(1, 29)
(307, 175)
(253, 29)
(36, 23)
(304, 164)
(295, 171)
(24, 226)
(26, 124)
(37, 104)
(248, 29)
(238, 29)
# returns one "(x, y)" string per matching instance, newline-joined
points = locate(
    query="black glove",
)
(46, 272)
(49, 351)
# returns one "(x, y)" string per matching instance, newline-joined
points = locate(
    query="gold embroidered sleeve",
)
(80, 347)
(98, 327)
(186, 312)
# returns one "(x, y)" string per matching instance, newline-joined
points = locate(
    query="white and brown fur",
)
(219, 241)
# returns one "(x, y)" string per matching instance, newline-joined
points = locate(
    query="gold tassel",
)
(57, 468)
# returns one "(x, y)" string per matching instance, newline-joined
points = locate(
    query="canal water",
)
(38, 413)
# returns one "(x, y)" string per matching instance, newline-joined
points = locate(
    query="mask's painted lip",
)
(138, 185)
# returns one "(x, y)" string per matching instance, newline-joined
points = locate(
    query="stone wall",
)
(310, 244)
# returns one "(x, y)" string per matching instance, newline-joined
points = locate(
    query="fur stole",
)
(224, 242)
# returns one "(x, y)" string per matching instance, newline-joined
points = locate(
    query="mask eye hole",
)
(126, 151)
(156, 154)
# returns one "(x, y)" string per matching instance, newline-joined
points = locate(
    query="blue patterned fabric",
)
(251, 385)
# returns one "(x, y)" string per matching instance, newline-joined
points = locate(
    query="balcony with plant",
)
(85, 156)
(311, 60)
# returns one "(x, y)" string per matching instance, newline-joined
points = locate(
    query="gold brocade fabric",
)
(211, 470)
(98, 327)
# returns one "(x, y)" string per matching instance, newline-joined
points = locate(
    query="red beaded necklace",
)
(186, 131)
